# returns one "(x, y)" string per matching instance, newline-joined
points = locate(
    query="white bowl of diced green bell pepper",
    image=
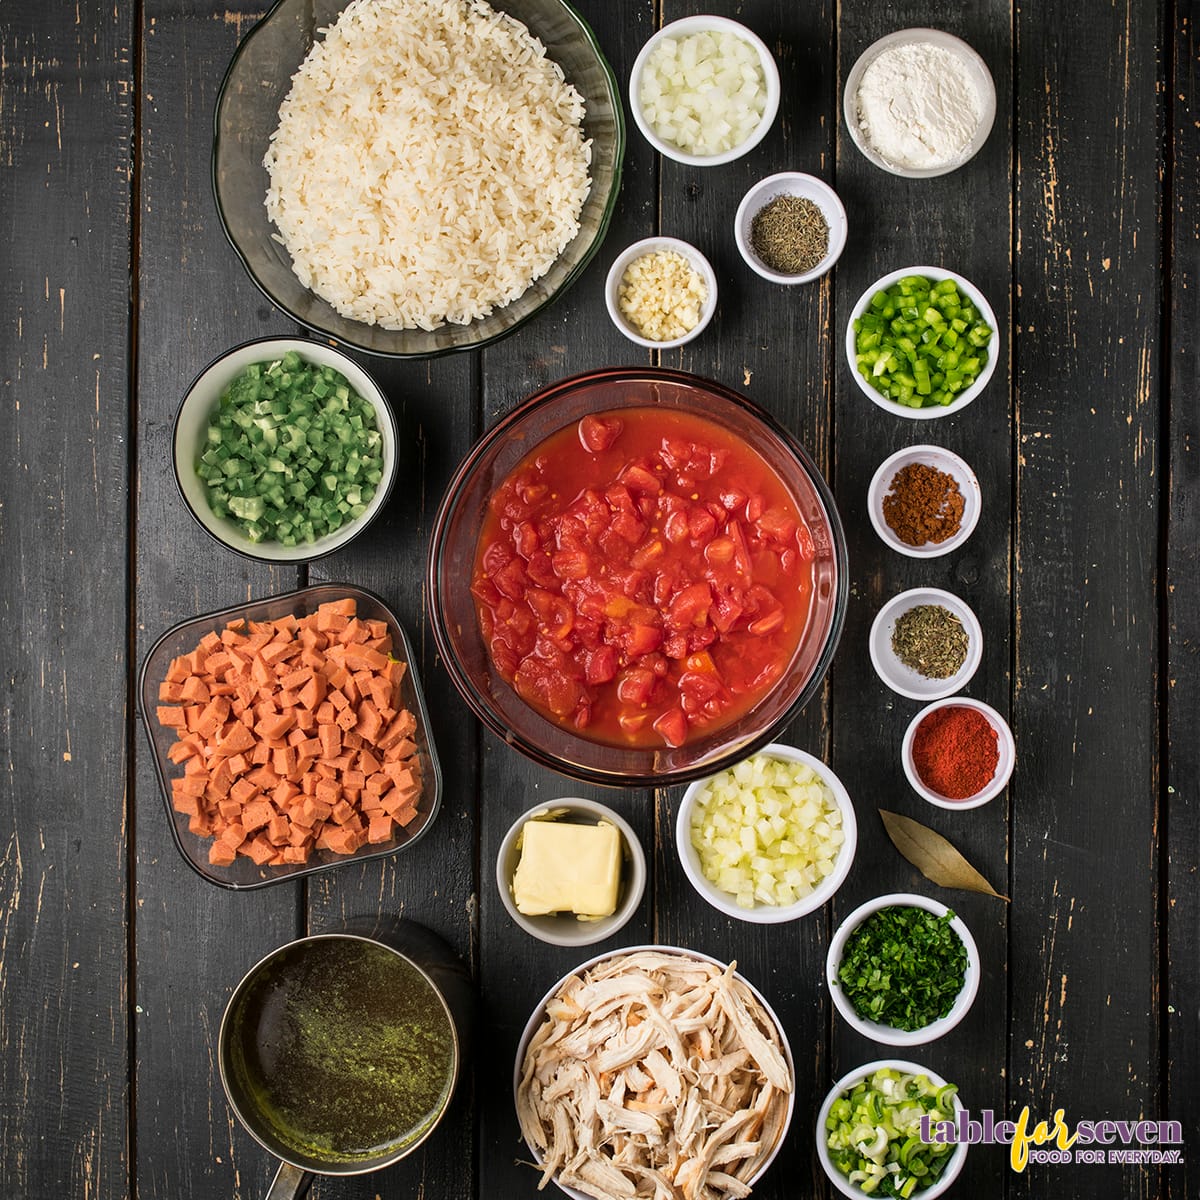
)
(927, 358)
(284, 449)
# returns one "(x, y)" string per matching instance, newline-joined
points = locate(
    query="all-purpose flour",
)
(918, 106)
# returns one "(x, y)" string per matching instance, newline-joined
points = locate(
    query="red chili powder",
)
(956, 752)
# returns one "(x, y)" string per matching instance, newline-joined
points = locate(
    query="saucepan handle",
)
(290, 1183)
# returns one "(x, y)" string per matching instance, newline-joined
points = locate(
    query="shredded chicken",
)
(655, 1076)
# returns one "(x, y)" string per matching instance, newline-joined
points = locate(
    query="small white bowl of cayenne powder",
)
(919, 103)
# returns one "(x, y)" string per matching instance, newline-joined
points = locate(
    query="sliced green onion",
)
(873, 1133)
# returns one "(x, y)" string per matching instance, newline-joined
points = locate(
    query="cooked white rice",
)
(429, 163)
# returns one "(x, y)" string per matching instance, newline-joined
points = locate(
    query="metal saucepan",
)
(376, 1016)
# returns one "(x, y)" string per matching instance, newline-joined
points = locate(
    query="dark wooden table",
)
(1079, 220)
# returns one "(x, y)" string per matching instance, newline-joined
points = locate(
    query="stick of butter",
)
(568, 868)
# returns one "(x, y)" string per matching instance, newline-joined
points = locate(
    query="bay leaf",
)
(934, 856)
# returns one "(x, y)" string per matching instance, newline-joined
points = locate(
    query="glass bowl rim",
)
(606, 216)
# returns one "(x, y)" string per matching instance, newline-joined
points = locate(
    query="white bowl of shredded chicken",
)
(626, 1059)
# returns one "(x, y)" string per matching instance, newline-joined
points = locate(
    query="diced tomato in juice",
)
(675, 530)
(601, 665)
(642, 639)
(701, 524)
(673, 726)
(642, 576)
(689, 607)
(598, 433)
(635, 687)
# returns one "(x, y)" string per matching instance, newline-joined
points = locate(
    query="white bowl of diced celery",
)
(284, 449)
(769, 839)
(704, 90)
(870, 1127)
(922, 342)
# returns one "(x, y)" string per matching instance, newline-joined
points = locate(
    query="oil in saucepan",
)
(346, 1050)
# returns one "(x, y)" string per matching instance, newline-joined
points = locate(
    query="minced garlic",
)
(661, 295)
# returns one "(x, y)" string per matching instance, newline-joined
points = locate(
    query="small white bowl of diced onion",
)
(704, 90)
(769, 839)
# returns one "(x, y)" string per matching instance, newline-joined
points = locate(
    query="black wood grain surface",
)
(1179, 686)
(1078, 220)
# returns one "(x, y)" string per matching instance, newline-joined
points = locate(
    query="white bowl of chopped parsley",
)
(869, 1132)
(902, 969)
(922, 342)
(284, 449)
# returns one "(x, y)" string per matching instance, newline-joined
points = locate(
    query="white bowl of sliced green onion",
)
(922, 342)
(870, 1127)
(284, 449)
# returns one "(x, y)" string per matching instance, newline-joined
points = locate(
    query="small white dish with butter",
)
(571, 872)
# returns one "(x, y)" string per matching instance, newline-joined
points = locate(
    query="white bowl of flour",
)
(919, 103)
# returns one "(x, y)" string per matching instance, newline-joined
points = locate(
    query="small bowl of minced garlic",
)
(661, 292)
(571, 872)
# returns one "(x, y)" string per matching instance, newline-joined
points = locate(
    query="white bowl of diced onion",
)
(769, 839)
(704, 90)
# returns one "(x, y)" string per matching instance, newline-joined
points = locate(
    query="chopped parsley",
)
(903, 967)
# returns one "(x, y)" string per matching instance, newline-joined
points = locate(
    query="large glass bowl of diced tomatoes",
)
(637, 577)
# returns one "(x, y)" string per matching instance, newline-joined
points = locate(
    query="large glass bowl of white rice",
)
(416, 177)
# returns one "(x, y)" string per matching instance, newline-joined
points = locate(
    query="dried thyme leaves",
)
(790, 235)
(931, 640)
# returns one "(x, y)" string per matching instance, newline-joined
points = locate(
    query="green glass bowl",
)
(247, 113)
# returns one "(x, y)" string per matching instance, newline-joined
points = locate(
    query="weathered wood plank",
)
(193, 940)
(1084, 927)
(573, 335)
(437, 884)
(66, 125)
(961, 221)
(1181, 213)
(776, 345)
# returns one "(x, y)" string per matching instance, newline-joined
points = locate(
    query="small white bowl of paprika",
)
(958, 753)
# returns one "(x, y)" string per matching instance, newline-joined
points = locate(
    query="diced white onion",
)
(704, 93)
(768, 831)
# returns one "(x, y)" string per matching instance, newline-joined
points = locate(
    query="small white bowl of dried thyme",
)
(790, 228)
(926, 644)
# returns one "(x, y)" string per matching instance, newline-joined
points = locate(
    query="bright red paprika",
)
(956, 752)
